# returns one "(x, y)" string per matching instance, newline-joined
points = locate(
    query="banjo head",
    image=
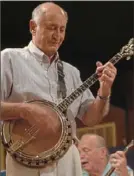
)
(29, 146)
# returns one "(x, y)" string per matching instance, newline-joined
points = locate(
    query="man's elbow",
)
(89, 122)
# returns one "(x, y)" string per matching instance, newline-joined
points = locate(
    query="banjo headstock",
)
(128, 50)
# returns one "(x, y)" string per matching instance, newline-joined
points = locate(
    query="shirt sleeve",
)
(130, 171)
(86, 99)
(6, 75)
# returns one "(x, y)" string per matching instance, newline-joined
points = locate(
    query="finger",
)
(121, 154)
(110, 66)
(117, 161)
(99, 74)
(109, 72)
(98, 64)
(114, 156)
(115, 165)
(100, 68)
(113, 161)
(107, 75)
(106, 79)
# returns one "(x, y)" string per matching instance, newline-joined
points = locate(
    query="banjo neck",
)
(126, 51)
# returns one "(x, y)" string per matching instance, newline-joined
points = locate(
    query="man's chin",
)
(85, 166)
(51, 52)
(54, 49)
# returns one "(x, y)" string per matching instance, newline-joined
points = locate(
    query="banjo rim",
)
(49, 156)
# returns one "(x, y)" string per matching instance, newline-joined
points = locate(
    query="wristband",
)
(103, 98)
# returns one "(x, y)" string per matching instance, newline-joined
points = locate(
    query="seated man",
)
(95, 158)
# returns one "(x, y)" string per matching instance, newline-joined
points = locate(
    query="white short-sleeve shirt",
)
(26, 74)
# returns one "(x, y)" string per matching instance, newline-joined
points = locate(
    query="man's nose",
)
(57, 32)
(82, 155)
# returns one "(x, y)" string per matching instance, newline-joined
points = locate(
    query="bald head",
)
(93, 153)
(46, 9)
(93, 139)
(48, 27)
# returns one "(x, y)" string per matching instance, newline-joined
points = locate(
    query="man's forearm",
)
(96, 111)
(10, 110)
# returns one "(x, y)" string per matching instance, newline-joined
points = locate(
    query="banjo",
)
(28, 146)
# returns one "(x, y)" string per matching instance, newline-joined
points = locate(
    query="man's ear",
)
(32, 27)
(104, 152)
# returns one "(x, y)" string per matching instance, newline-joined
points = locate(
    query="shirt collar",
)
(40, 55)
(107, 168)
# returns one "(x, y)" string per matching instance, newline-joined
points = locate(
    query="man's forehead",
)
(53, 10)
(54, 17)
(88, 141)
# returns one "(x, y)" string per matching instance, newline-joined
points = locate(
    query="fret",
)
(67, 101)
(77, 92)
(70, 99)
(82, 87)
(62, 107)
(116, 58)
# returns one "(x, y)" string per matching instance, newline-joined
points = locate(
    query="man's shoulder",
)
(130, 171)
(13, 50)
(8, 54)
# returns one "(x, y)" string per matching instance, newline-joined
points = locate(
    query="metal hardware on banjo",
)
(26, 144)
(130, 145)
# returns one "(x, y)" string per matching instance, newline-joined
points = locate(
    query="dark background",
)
(95, 31)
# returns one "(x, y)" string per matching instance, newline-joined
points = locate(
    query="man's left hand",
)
(107, 74)
(119, 162)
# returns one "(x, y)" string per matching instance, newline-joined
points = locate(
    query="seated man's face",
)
(90, 155)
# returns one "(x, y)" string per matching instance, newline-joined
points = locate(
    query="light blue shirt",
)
(130, 171)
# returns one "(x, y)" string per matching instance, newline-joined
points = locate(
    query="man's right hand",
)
(44, 118)
(40, 116)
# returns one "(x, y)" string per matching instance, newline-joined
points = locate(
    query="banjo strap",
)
(62, 91)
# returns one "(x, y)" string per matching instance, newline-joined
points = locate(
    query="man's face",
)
(91, 155)
(50, 32)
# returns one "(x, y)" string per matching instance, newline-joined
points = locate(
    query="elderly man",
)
(95, 158)
(31, 73)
